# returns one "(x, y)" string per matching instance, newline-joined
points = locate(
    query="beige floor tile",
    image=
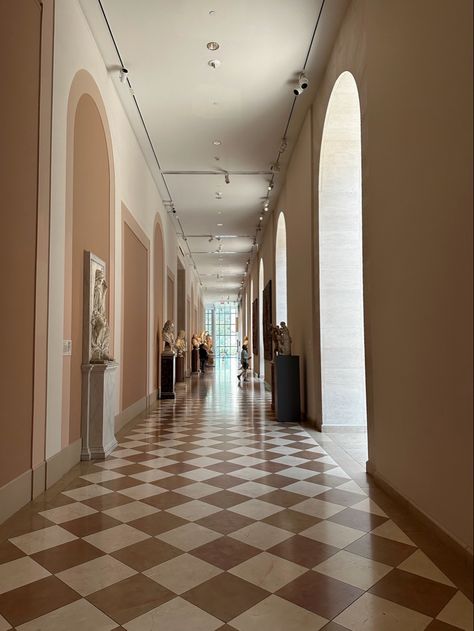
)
(369, 506)
(113, 463)
(20, 572)
(302, 487)
(248, 473)
(318, 508)
(67, 513)
(353, 569)
(268, 571)
(333, 534)
(175, 615)
(277, 614)
(130, 511)
(260, 535)
(390, 530)
(87, 492)
(252, 489)
(124, 453)
(89, 577)
(352, 487)
(189, 536)
(458, 612)
(196, 490)
(78, 616)
(115, 538)
(151, 476)
(4, 624)
(101, 476)
(182, 573)
(140, 491)
(42, 539)
(419, 563)
(199, 475)
(371, 613)
(158, 463)
(296, 473)
(194, 510)
(256, 509)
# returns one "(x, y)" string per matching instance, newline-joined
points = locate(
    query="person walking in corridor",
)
(244, 360)
(203, 356)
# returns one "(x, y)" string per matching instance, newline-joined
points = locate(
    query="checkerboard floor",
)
(211, 516)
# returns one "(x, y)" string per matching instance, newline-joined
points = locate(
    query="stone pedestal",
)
(272, 405)
(98, 405)
(167, 376)
(287, 373)
(195, 360)
(210, 359)
(180, 369)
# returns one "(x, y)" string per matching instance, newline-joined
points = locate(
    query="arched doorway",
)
(280, 271)
(91, 230)
(340, 243)
(261, 358)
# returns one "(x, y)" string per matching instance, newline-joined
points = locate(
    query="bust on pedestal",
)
(99, 369)
(287, 377)
(168, 362)
(195, 341)
(180, 347)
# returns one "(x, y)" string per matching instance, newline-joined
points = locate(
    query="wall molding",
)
(38, 481)
(62, 462)
(125, 416)
(14, 495)
(446, 537)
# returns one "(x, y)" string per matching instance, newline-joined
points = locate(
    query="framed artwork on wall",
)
(267, 321)
(255, 327)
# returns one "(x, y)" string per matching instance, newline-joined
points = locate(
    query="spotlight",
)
(302, 84)
(270, 186)
(261, 218)
(123, 75)
(211, 239)
(227, 178)
(298, 90)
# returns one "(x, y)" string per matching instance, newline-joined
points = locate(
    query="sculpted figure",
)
(168, 337)
(195, 341)
(208, 342)
(180, 345)
(99, 326)
(284, 340)
(275, 330)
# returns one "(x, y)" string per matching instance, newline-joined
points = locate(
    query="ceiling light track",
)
(217, 173)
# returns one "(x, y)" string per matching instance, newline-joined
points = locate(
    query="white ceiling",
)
(186, 105)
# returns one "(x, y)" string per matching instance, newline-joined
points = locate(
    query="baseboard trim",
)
(62, 462)
(446, 537)
(328, 428)
(15, 494)
(38, 482)
(125, 416)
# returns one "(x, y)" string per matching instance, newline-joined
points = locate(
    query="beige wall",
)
(417, 227)
(20, 41)
(135, 318)
(158, 279)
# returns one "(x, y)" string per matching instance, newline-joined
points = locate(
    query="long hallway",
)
(210, 515)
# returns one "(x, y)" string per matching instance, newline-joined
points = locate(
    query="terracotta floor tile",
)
(304, 551)
(120, 483)
(36, 599)
(104, 502)
(173, 482)
(145, 554)
(282, 498)
(225, 522)
(358, 519)
(320, 594)
(9, 552)
(414, 592)
(157, 523)
(66, 555)
(381, 549)
(437, 625)
(225, 552)
(225, 499)
(84, 526)
(291, 520)
(130, 598)
(332, 626)
(225, 596)
(345, 498)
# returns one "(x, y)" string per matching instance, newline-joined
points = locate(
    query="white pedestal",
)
(98, 405)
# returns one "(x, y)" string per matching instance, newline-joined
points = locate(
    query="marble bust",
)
(195, 341)
(282, 339)
(99, 326)
(168, 337)
(180, 344)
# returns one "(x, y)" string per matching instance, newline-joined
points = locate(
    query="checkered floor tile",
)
(209, 516)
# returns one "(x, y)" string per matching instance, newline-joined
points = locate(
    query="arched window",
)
(261, 358)
(281, 271)
(340, 259)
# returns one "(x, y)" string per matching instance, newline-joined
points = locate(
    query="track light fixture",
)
(270, 186)
(123, 75)
(302, 84)
(227, 178)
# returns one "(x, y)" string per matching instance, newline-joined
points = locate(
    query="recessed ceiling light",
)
(217, 142)
(212, 12)
(220, 224)
(212, 45)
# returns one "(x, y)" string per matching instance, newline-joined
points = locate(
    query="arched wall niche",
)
(158, 297)
(340, 259)
(281, 275)
(89, 225)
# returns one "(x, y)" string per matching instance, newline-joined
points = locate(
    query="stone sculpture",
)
(195, 341)
(282, 339)
(180, 344)
(99, 327)
(208, 342)
(168, 337)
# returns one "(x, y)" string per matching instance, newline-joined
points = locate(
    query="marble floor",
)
(211, 516)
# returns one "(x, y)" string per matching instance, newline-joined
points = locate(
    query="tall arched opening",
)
(261, 358)
(91, 230)
(281, 271)
(340, 256)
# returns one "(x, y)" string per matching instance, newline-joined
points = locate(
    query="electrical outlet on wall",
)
(67, 347)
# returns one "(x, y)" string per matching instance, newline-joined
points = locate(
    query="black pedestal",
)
(195, 360)
(272, 405)
(180, 369)
(287, 377)
(167, 377)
